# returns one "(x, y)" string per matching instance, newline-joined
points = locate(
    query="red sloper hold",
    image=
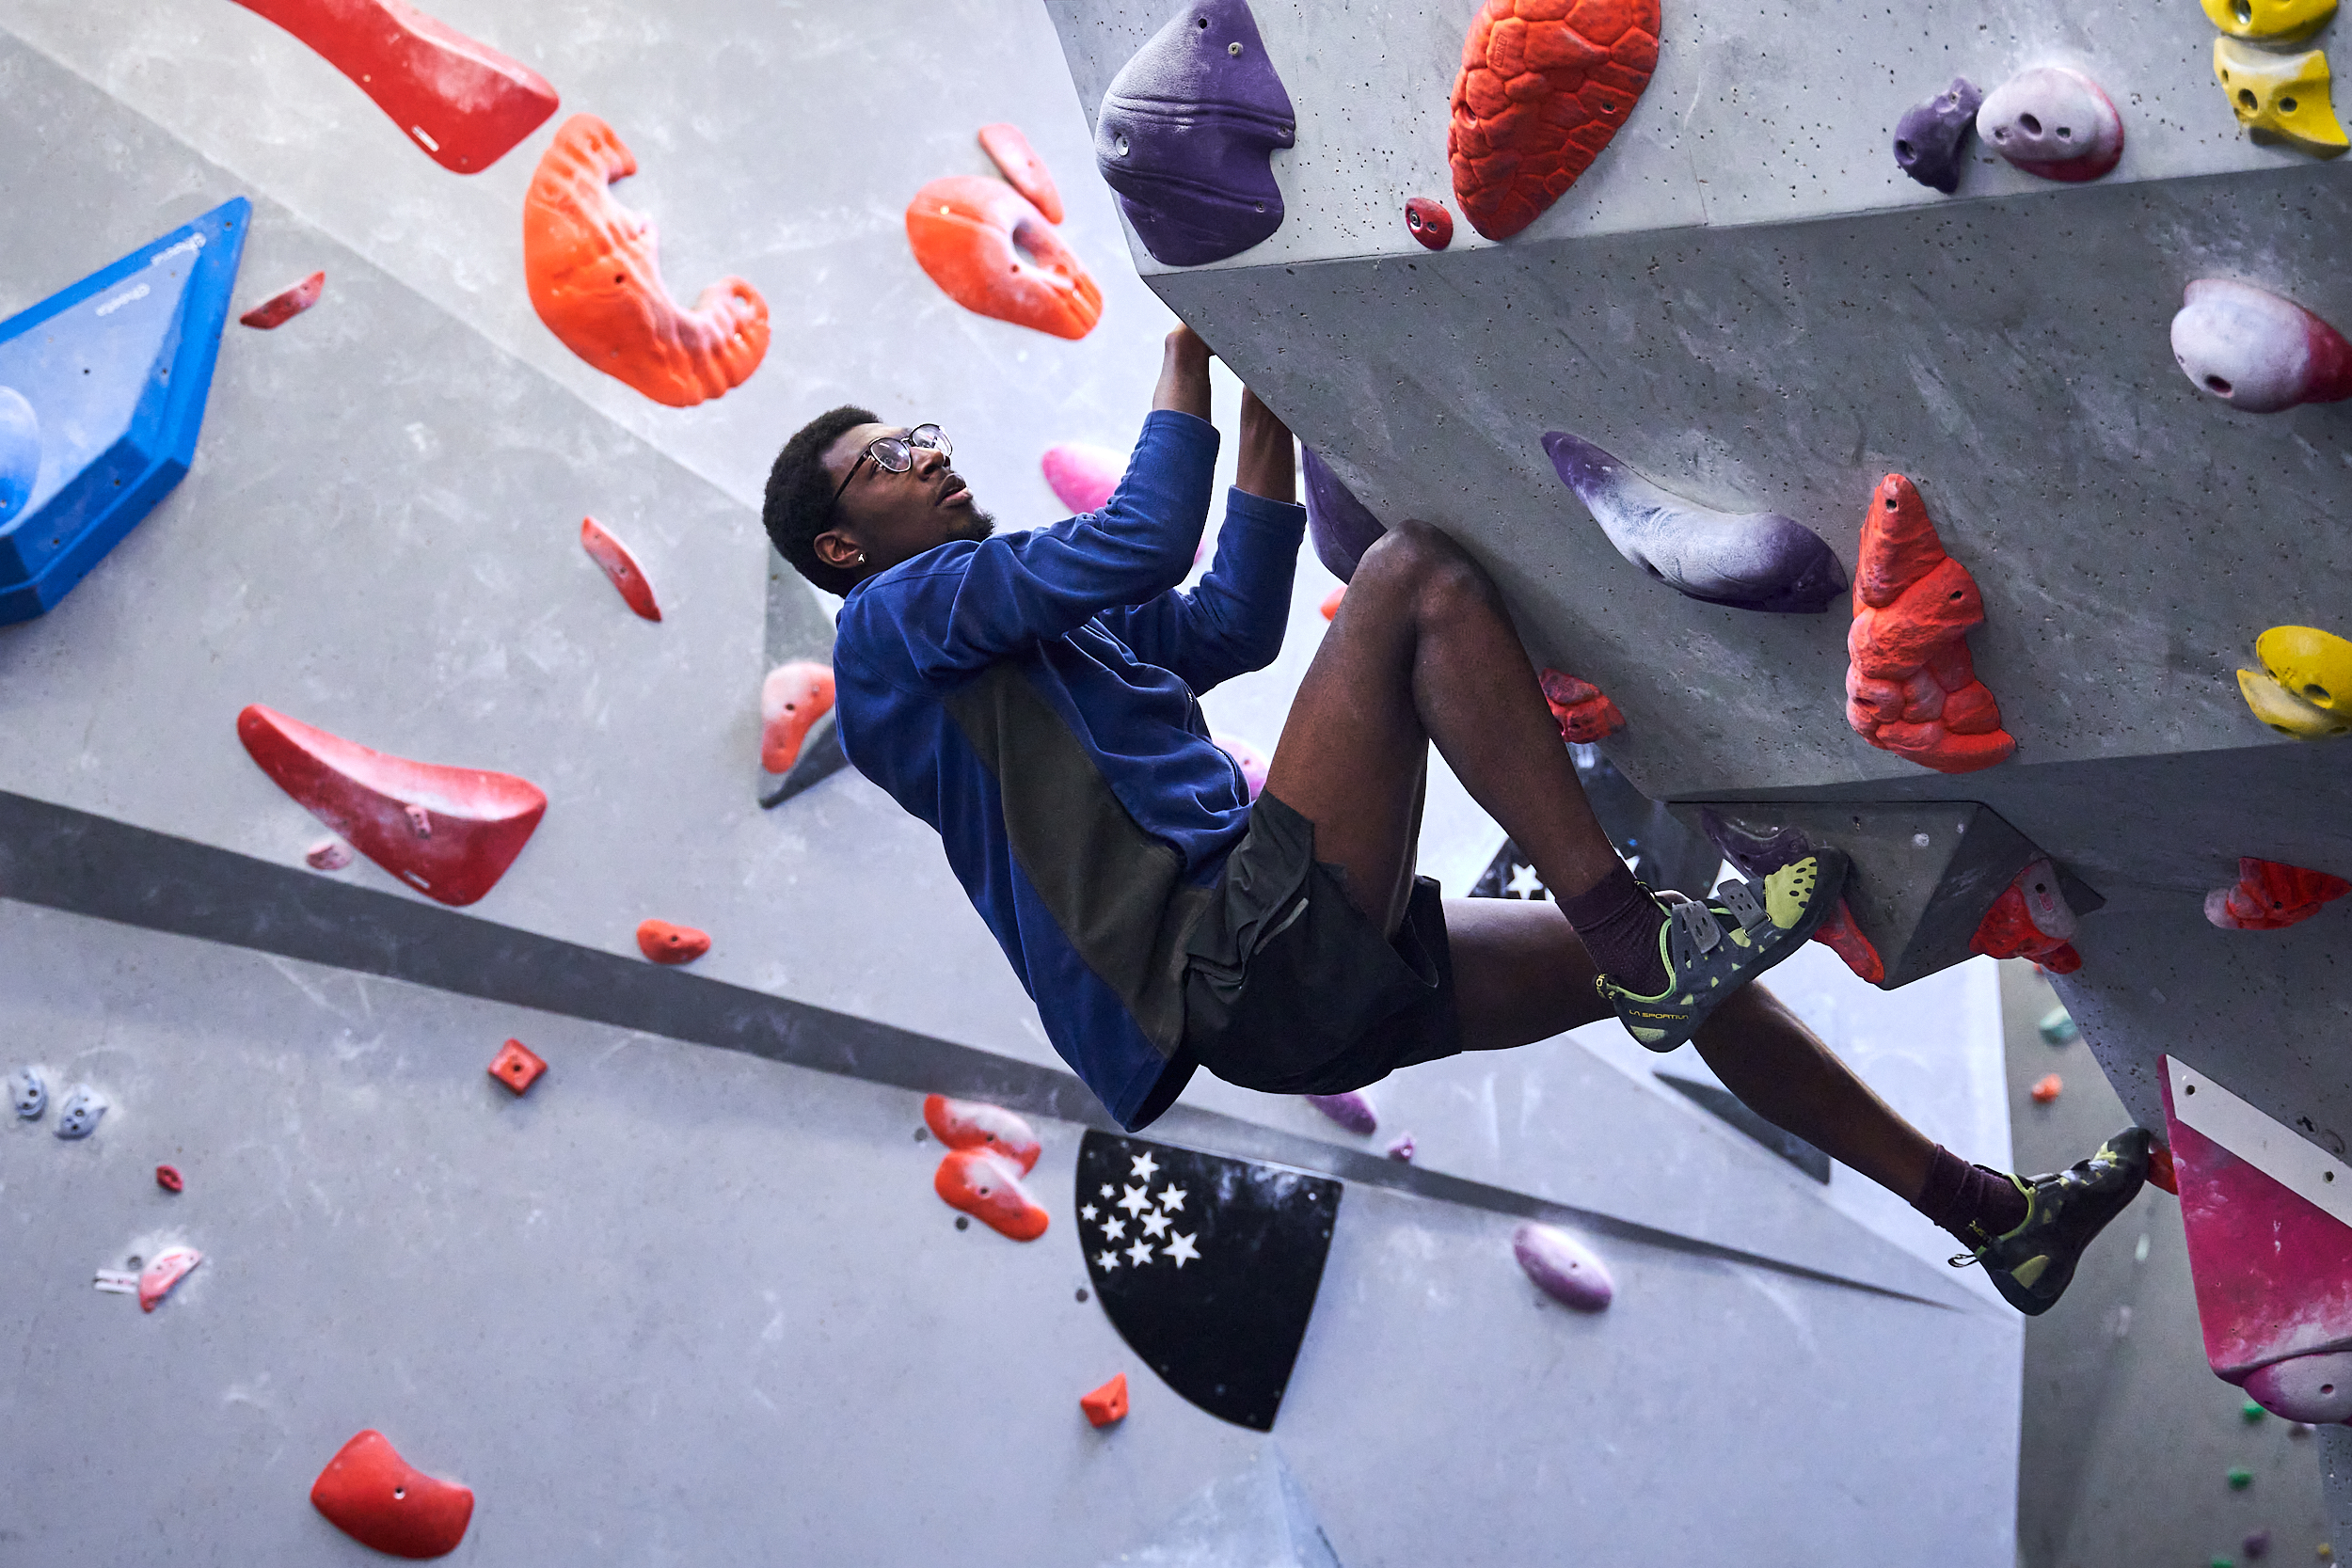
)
(1911, 687)
(380, 1500)
(665, 943)
(1107, 1406)
(792, 698)
(620, 566)
(1011, 152)
(285, 305)
(1544, 87)
(2270, 895)
(995, 254)
(1583, 713)
(449, 832)
(460, 99)
(987, 1186)
(976, 1124)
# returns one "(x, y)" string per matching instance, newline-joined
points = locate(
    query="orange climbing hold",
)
(285, 305)
(1911, 687)
(665, 943)
(1011, 152)
(2047, 1088)
(594, 272)
(620, 566)
(976, 1124)
(516, 1066)
(1330, 605)
(380, 1500)
(994, 253)
(1544, 87)
(793, 697)
(987, 1186)
(2270, 896)
(1583, 713)
(2161, 1172)
(1107, 1406)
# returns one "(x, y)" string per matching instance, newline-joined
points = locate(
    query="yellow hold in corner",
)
(2273, 21)
(2281, 95)
(2285, 712)
(2313, 664)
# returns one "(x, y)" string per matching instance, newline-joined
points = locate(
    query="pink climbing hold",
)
(2256, 351)
(620, 566)
(791, 700)
(976, 1124)
(1023, 169)
(450, 833)
(1083, 477)
(170, 1179)
(1431, 224)
(285, 305)
(382, 1501)
(987, 1186)
(164, 1270)
(1251, 762)
(1350, 1110)
(1562, 1267)
(2054, 121)
(1583, 713)
(1403, 1149)
(2270, 897)
(328, 854)
(665, 943)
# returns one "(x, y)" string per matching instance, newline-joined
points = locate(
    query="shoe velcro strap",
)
(1741, 899)
(1697, 932)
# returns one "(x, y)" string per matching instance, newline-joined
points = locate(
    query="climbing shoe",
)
(1711, 949)
(2031, 1265)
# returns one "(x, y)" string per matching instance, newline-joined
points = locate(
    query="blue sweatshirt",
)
(1034, 698)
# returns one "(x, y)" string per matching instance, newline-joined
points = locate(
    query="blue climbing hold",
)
(113, 375)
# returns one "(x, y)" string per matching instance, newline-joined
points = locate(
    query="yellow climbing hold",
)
(2315, 665)
(2285, 712)
(2281, 95)
(2274, 20)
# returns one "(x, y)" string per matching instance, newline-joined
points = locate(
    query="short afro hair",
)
(800, 496)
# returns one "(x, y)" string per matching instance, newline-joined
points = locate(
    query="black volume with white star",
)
(1207, 1267)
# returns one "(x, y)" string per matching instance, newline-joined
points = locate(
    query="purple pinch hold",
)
(1342, 527)
(1350, 1110)
(1756, 855)
(1562, 1267)
(1929, 135)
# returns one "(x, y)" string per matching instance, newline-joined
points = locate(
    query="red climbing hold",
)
(2268, 897)
(516, 1066)
(976, 1124)
(1107, 1406)
(328, 854)
(1842, 936)
(2160, 1170)
(1431, 224)
(450, 833)
(1911, 687)
(1330, 605)
(286, 304)
(1017, 162)
(665, 943)
(620, 566)
(793, 697)
(1544, 87)
(460, 99)
(380, 1500)
(1583, 713)
(2046, 1088)
(987, 1186)
(170, 1179)
(594, 269)
(994, 253)
(2008, 931)
(165, 1270)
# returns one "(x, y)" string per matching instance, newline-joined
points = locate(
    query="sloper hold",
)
(976, 1124)
(2255, 351)
(286, 304)
(594, 269)
(1342, 527)
(382, 1501)
(2280, 97)
(1748, 560)
(1430, 223)
(987, 1186)
(995, 254)
(1759, 855)
(114, 371)
(2315, 665)
(2270, 897)
(457, 97)
(1911, 686)
(1083, 477)
(2271, 21)
(166, 1269)
(1931, 132)
(791, 700)
(1350, 1110)
(1543, 87)
(1581, 709)
(2053, 121)
(618, 563)
(665, 943)
(449, 832)
(1107, 1406)
(1017, 162)
(1186, 134)
(1562, 1267)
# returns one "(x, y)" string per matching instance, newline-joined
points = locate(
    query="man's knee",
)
(1419, 563)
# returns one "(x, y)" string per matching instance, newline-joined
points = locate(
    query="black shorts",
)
(1289, 989)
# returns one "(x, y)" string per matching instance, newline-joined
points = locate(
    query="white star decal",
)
(1154, 1223)
(1172, 1199)
(1114, 1229)
(1145, 1166)
(1180, 1249)
(1140, 1252)
(1087, 1212)
(1524, 883)
(1106, 1259)
(1136, 1200)
(1107, 1190)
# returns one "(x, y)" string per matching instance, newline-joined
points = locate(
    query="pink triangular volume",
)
(449, 832)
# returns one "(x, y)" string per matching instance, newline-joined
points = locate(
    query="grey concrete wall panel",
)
(683, 1304)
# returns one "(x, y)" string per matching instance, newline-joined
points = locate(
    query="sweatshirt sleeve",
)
(1233, 622)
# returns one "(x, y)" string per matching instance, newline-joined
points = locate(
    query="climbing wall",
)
(694, 1291)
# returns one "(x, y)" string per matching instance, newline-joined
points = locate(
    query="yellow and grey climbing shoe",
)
(1714, 948)
(2031, 1265)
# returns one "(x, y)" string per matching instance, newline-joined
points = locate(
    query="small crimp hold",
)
(1107, 1406)
(28, 1093)
(170, 1179)
(516, 1066)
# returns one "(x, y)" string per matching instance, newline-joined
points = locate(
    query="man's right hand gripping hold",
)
(1034, 698)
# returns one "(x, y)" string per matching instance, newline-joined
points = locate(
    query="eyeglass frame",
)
(938, 443)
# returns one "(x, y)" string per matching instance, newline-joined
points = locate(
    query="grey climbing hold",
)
(1928, 138)
(78, 1116)
(29, 1093)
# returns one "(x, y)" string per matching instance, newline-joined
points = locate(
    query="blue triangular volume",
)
(113, 373)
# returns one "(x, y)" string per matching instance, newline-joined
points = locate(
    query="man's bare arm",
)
(1183, 375)
(1267, 467)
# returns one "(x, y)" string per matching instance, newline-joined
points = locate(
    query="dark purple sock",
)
(1617, 921)
(1958, 1196)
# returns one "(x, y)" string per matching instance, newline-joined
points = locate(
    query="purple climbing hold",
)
(1746, 560)
(1185, 133)
(1928, 138)
(1404, 1150)
(1350, 1110)
(1756, 855)
(1342, 527)
(1563, 1267)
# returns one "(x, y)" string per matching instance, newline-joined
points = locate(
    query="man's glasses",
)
(896, 453)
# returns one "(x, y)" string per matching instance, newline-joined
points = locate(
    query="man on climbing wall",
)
(1034, 698)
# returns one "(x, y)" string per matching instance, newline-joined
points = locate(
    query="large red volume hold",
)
(1544, 87)
(620, 566)
(976, 1124)
(1011, 152)
(994, 253)
(2270, 895)
(1911, 687)
(987, 1186)
(380, 1500)
(594, 269)
(449, 832)
(460, 99)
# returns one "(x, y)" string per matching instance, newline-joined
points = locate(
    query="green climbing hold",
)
(2057, 1027)
(2250, 1412)
(2240, 1478)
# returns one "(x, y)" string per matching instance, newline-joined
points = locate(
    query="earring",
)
(861, 558)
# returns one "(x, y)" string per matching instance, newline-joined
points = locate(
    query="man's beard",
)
(977, 525)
